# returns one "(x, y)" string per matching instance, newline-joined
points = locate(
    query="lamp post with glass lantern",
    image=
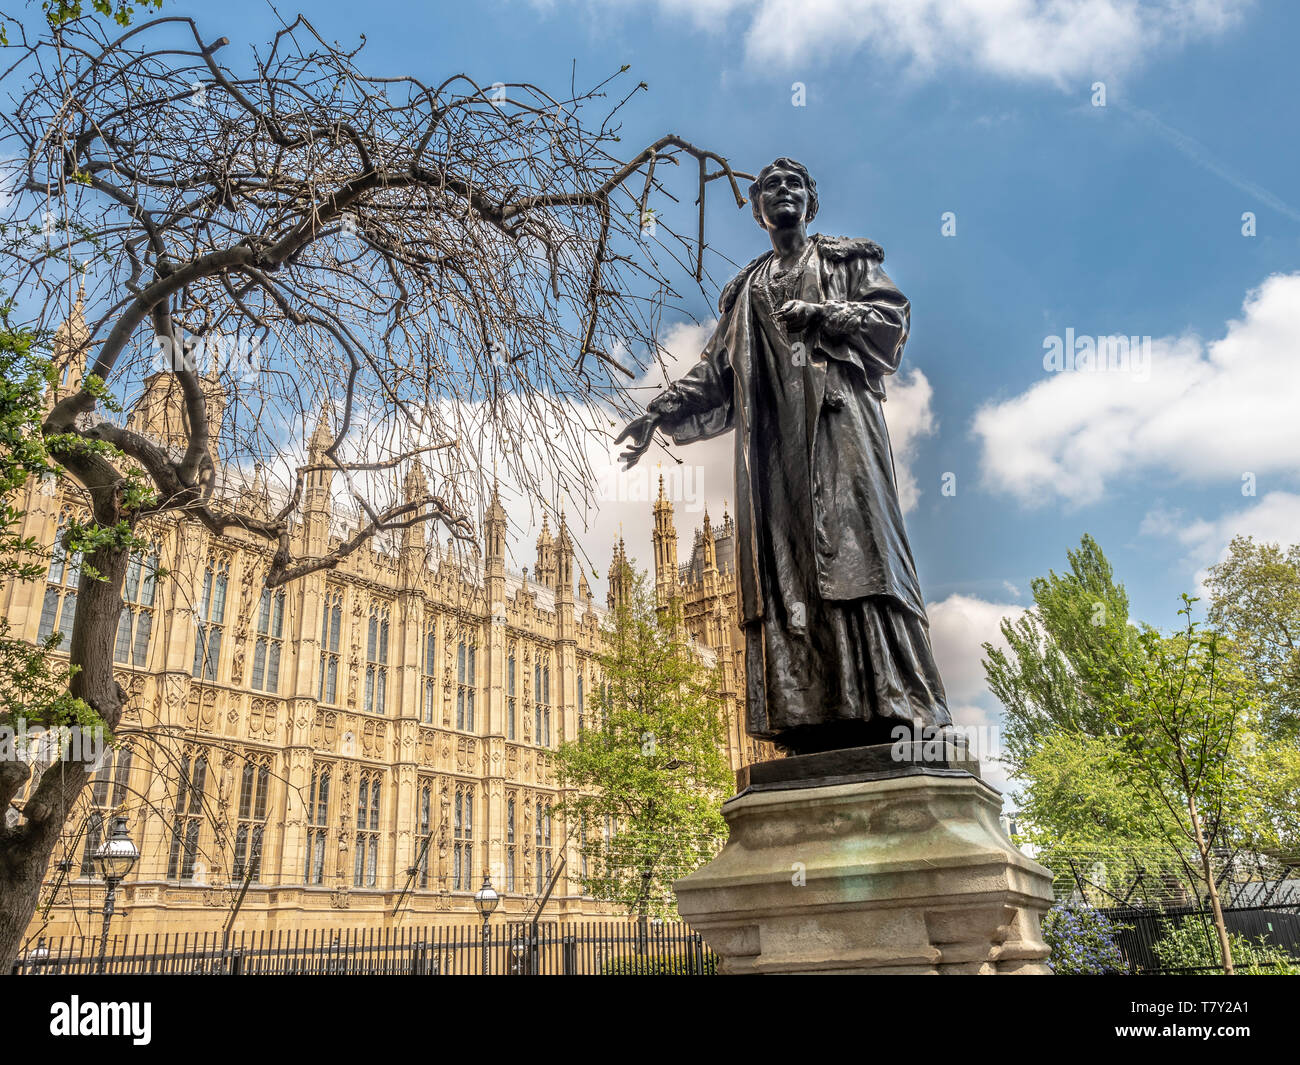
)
(115, 858)
(486, 900)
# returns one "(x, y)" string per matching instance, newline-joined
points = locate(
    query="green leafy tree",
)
(1060, 667)
(1071, 666)
(1179, 715)
(1255, 598)
(651, 764)
(32, 687)
(1079, 810)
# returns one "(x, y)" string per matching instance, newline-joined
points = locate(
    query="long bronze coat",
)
(857, 524)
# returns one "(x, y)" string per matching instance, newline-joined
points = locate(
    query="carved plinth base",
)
(905, 875)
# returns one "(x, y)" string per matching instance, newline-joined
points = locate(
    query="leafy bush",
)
(1190, 943)
(644, 965)
(1082, 942)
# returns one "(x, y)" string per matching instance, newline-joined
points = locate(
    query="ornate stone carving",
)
(324, 730)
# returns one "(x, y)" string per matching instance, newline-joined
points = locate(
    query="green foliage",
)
(57, 12)
(645, 965)
(1079, 810)
(60, 12)
(25, 378)
(1180, 715)
(1083, 942)
(651, 762)
(1123, 737)
(1056, 680)
(33, 687)
(1059, 669)
(1255, 599)
(1189, 943)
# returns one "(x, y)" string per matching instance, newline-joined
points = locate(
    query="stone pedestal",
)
(900, 872)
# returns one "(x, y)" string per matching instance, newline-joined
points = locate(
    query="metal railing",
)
(514, 949)
(1142, 928)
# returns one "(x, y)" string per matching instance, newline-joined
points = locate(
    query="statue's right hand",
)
(639, 432)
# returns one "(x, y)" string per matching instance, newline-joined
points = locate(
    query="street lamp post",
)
(486, 900)
(115, 858)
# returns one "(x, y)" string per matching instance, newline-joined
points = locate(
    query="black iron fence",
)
(512, 949)
(1277, 926)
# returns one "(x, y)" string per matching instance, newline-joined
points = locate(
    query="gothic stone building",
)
(367, 739)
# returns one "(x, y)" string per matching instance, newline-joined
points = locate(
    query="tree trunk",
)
(643, 914)
(26, 848)
(1225, 946)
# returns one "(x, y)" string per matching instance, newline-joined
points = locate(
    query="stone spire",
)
(494, 527)
(620, 578)
(545, 573)
(667, 587)
(316, 495)
(71, 343)
(709, 557)
(414, 488)
(564, 562)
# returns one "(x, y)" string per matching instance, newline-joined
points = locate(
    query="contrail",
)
(1197, 153)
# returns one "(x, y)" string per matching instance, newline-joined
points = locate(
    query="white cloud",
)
(1207, 412)
(1056, 41)
(1274, 518)
(910, 417)
(959, 627)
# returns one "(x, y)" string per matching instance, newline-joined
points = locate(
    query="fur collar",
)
(836, 249)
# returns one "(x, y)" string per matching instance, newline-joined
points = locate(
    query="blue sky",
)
(1068, 215)
(1123, 219)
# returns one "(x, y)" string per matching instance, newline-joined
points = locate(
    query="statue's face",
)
(783, 198)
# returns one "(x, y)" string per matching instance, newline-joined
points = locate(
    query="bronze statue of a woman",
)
(837, 645)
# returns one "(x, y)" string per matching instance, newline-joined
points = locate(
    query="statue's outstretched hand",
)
(799, 314)
(639, 432)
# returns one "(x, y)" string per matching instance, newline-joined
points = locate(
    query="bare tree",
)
(454, 272)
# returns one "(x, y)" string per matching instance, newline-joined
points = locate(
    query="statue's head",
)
(784, 194)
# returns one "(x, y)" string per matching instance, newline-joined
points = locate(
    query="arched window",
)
(59, 608)
(510, 845)
(511, 705)
(135, 623)
(211, 617)
(465, 679)
(318, 808)
(270, 641)
(365, 869)
(462, 871)
(108, 792)
(377, 659)
(331, 628)
(429, 684)
(542, 846)
(253, 788)
(187, 816)
(542, 702)
(423, 841)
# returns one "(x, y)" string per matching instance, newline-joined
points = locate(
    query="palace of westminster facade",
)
(362, 744)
